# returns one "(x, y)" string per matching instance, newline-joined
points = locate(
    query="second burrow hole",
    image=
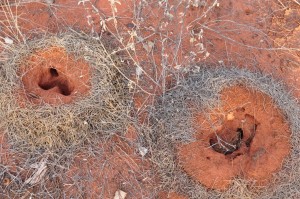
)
(235, 135)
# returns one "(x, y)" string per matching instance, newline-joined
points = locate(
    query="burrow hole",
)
(52, 79)
(53, 72)
(231, 138)
(227, 147)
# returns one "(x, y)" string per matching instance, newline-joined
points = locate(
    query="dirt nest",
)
(246, 136)
(62, 95)
(58, 69)
(223, 133)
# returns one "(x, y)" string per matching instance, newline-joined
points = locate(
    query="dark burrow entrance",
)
(235, 136)
(51, 79)
(227, 146)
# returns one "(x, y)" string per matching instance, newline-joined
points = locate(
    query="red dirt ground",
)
(243, 33)
(119, 168)
(246, 136)
(54, 77)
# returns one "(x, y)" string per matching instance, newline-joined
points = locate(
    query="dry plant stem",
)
(120, 39)
(11, 23)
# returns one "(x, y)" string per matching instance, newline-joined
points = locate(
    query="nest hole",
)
(225, 146)
(52, 79)
(53, 72)
(229, 140)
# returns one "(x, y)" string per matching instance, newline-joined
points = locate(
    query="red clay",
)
(247, 136)
(52, 76)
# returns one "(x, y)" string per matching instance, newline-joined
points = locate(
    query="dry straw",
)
(173, 117)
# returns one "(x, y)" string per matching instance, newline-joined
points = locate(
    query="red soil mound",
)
(247, 136)
(55, 77)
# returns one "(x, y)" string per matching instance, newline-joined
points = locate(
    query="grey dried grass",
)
(172, 119)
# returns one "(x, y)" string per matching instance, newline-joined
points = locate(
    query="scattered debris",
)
(120, 194)
(230, 116)
(138, 71)
(49, 1)
(143, 151)
(7, 40)
(39, 173)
